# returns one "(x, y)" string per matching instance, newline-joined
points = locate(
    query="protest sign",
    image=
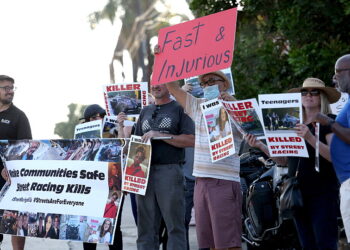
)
(246, 114)
(88, 130)
(136, 172)
(129, 98)
(219, 130)
(281, 112)
(197, 91)
(195, 47)
(110, 126)
(54, 182)
(338, 106)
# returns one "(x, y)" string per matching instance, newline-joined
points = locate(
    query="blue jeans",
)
(165, 197)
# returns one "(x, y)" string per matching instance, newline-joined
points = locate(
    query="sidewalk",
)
(128, 229)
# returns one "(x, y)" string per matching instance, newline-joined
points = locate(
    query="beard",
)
(6, 101)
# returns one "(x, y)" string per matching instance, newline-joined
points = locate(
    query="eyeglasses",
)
(155, 112)
(313, 92)
(210, 82)
(9, 88)
(340, 70)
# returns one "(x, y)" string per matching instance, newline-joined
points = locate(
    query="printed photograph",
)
(218, 124)
(279, 120)
(99, 230)
(8, 224)
(73, 227)
(128, 102)
(138, 160)
(251, 126)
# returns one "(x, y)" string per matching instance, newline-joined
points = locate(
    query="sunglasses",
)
(313, 92)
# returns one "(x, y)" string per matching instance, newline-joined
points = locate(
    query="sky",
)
(54, 57)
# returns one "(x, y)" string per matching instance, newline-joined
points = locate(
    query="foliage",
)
(66, 129)
(280, 43)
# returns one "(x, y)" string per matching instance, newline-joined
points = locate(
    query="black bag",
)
(291, 198)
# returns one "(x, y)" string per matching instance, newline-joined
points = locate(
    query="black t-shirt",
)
(14, 125)
(167, 118)
(313, 182)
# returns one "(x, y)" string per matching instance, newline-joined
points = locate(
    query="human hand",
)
(149, 135)
(252, 141)
(303, 131)
(187, 87)
(5, 175)
(323, 119)
(121, 117)
(226, 97)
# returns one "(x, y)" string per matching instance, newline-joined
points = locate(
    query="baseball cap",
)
(92, 110)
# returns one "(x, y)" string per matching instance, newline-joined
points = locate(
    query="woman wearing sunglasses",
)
(316, 222)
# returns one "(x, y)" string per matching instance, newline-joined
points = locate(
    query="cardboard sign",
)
(281, 113)
(195, 47)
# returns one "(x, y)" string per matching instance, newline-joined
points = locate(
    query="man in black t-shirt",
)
(14, 125)
(165, 190)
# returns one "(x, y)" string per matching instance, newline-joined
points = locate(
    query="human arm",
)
(253, 142)
(176, 91)
(342, 132)
(121, 117)
(180, 141)
(303, 131)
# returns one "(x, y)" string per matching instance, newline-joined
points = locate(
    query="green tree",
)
(280, 43)
(66, 129)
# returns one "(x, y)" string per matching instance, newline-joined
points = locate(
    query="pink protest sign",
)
(195, 47)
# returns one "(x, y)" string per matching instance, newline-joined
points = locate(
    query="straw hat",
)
(332, 94)
(217, 73)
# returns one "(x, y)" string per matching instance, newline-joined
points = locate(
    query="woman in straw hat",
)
(316, 222)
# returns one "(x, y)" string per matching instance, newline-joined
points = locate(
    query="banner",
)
(221, 143)
(195, 47)
(129, 98)
(88, 130)
(246, 114)
(136, 172)
(56, 185)
(281, 112)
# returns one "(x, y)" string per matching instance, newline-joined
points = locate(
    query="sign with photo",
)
(280, 113)
(129, 98)
(246, 114)
(192, 84)
(136, 172)
(221, 143)
(88, 130)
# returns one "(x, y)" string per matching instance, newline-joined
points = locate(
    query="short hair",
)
(6, 78)
(140, 149)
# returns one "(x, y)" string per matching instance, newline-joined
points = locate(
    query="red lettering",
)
(284, 139)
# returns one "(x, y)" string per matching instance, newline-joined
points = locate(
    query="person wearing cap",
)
(340, 147)
(95, 112)
(217, 192)
(14, 125)
(316, 222)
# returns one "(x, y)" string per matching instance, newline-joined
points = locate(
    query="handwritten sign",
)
(195, 47)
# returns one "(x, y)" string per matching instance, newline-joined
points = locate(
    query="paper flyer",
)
(136, 172)
(129, 98)
(281, 112)
(88, 130)
(221, 143)
(247, 116)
